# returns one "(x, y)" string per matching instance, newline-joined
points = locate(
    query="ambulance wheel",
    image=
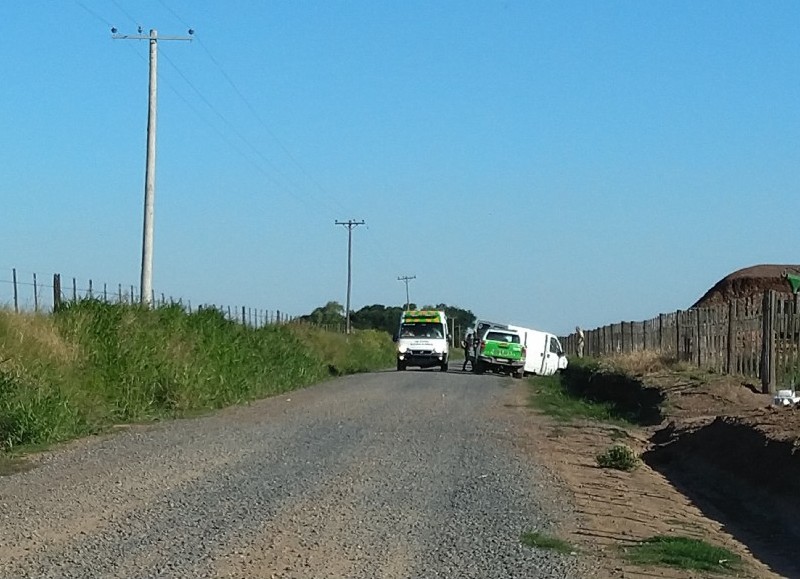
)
(443, 367)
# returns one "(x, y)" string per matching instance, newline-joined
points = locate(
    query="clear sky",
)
(542, 163)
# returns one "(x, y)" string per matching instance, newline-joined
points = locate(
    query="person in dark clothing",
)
(467, 342)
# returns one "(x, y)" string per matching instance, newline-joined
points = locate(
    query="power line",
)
(93, 13)
(350, 225)
(255, 114)
(127, 15)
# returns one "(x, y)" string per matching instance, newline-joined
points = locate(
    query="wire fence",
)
(32, 292)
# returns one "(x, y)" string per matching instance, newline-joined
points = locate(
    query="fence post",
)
(16, 296)
(678, 335)
(768, 342)
(244, 320)
(644, 335)
(56, 292)
(91, 292)
(105, 292)
(729, 348)
(699, 313)
(660, 333)
(74, 290)
(119, 295)
(35, 294)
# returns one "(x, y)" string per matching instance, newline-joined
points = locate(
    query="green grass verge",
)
(544, 541)
(551, 396)
(683, 553)
(92, 364)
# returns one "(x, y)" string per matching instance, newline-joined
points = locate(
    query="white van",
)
(545, 356)
(423, 340)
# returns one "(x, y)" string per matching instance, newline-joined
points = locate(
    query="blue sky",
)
(543, 163)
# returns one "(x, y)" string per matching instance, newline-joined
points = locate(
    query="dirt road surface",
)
(394, 474)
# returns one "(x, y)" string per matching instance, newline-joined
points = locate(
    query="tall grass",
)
(93, 364)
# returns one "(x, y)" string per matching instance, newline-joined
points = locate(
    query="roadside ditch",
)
(731, 454)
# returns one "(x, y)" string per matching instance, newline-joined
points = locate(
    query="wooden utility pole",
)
(406, 279)
(146, 285)
(350, 225)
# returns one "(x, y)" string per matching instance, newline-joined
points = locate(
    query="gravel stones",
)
(406, 474)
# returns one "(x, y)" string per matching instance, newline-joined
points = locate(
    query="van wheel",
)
(443, 367)
(400, 366)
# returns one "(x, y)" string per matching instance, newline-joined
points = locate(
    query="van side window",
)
(553, 345)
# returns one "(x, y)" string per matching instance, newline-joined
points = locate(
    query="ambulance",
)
(423, 340)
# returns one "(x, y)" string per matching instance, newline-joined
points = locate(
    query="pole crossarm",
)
(148, 37)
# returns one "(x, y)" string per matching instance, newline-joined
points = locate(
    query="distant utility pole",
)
(406, 278)
(350, 225)
(146, 287)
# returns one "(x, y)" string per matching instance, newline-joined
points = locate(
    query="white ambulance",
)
(423, 340)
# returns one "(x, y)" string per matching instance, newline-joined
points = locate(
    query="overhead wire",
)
(93, 13)
(254, 112)
(327, 199)
(377, 245)
(126, 13)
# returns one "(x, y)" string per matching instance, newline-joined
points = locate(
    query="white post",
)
(146, 290)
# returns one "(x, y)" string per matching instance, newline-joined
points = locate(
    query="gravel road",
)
(393, 474)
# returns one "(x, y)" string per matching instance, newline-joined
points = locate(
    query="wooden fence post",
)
(16, 293)
(35, 294)
(768, 342)
(729, 346)
(699, 313)
(56, 292)
(660, 333)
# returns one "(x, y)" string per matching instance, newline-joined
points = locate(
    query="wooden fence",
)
(757, 337)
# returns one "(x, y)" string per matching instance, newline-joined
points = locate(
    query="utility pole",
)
(406, 278)
(350, 224)
(146, 285)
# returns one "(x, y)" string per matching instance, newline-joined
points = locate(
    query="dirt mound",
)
(748, 282)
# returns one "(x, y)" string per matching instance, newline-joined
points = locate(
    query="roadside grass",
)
(550, 395)
(92, 364)
(539, 540)
(683, 553)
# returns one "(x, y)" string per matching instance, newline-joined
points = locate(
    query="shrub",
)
(619, 457)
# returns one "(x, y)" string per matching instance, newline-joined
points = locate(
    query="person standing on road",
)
(467, 345)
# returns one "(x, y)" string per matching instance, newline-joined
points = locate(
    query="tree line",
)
(381, 317)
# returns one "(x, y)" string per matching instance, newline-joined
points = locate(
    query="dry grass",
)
(640, 363)
(34, 334)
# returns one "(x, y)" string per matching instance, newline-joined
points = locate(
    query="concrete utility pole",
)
(350, 225)
(146, 286)
(406, 278)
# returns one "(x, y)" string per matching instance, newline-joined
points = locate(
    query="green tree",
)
(331, 314)
(377, 317)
